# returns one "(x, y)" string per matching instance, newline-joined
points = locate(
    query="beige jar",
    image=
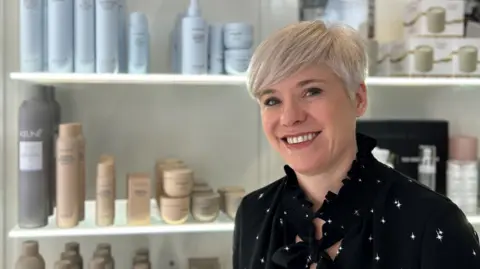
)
(228, 189)
(232, 201)
(205, 206)
(177, 182)
(174, 210)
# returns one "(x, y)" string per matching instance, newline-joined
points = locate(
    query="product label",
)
(31, 156)
(198, 35)
(31, 4)
(85, 4)
(108, 4)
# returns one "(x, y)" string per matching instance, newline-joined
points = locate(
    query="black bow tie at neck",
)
(302, 255)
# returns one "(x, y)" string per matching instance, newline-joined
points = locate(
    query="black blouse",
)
(384, 219)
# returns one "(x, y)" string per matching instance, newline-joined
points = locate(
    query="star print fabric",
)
(383, 219)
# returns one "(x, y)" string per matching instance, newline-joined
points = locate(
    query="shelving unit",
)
(221, 80)
(120, 227)
(474, 220)
(139, 126)
(169, 79)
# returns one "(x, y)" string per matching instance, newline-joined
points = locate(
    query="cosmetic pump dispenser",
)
(194, 41)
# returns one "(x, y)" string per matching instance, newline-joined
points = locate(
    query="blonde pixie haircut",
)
(299, 45)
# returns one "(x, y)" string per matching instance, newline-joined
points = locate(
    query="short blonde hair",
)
(299, 45)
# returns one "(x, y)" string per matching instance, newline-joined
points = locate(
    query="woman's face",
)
(309, 118)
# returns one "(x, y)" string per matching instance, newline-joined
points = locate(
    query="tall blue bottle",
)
(31, 35)
(60, 36)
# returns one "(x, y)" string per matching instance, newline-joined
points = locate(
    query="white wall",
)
(215, 129)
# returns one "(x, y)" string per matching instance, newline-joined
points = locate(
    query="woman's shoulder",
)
(410, 196)
(264, 195)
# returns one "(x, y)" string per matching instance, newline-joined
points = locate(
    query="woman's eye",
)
(313, 91)
(271, 102)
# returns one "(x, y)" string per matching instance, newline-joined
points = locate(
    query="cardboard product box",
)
(466, 60)
(383, 60)
(422, 56)
(434, 18)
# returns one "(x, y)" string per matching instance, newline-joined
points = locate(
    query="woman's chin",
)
(305, 167)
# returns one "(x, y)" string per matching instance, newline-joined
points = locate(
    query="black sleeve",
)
(237, 238)
(449, 242)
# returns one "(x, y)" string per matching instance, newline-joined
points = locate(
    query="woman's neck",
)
(317, 186)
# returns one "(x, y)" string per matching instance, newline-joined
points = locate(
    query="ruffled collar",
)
(341, 212)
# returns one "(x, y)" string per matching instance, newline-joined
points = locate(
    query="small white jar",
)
(237, 61)
(238, 35)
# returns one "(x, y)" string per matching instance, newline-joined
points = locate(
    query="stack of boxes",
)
(434, 43)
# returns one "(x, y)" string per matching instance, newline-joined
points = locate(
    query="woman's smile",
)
(299, 141)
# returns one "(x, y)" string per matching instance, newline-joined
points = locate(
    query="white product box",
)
(462, 185)
(398, 53)
(466, 59)
(422, 56)
(434, 18)
(383, 60)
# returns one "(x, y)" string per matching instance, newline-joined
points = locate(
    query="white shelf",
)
(167, 79)
(120, 227)
(421, 82)
(474, 220)
(176, 79)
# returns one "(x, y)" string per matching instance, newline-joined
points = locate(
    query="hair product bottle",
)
(194, 41)
(35, 150)
(215, 49)
(106, 254)
(175, 36)
(30, 257)
(105, 193)
(55, 106)
(31, 35)
(106, 36)
(138, 46)
(81, 170)
(122, 37)
(75, 247)
(72, 257)
(97, 263)
(67, 176)
(64, 264)
(45, 36)
(60, 36)
(84, 36)
(138, 199)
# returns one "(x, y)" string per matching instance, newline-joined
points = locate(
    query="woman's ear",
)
(361, 100)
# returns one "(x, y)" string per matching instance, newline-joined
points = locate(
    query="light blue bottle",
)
(173, 50)
(175, 37)
(31, 35)
(45, 35)
(215, 49)
(84, 36)
(139, 44)
(122, 37)
(106, 36)
(60, 36)
(194, 39)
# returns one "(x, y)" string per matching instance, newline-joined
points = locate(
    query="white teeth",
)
(301, 138)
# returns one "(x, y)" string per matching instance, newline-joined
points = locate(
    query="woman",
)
(336, 207)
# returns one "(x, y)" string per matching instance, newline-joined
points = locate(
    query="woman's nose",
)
(292, 114)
